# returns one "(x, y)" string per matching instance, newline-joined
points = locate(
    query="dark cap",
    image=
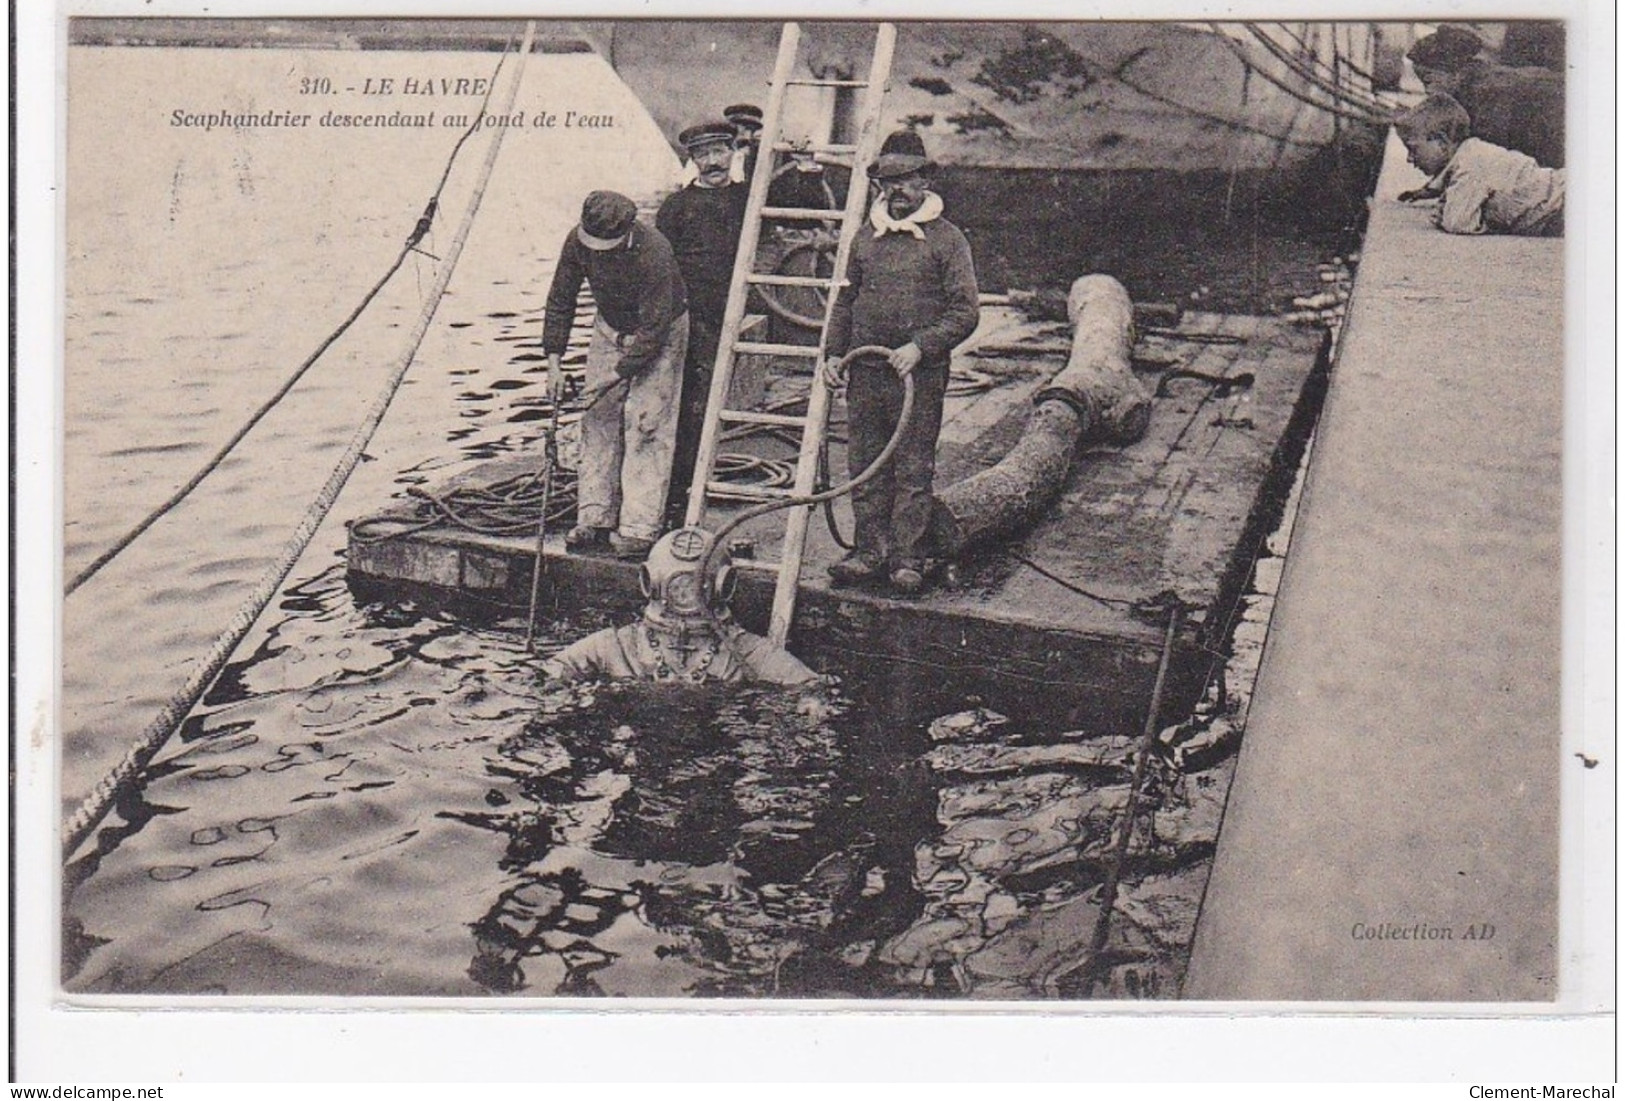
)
(1448, 49)
(744, 115)
(606, 218)
(902, 154)
(706, 133)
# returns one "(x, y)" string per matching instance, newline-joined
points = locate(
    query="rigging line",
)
(1234, 124)
(1110, 601)
(259, 414)
(1131, 809)
(1348, 59)
(101, 798)
(1360, 108)
(1365, 114)
(1307, 69)
(1329, 78)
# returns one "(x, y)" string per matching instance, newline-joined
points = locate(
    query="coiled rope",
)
(425, 221)
(96, 805)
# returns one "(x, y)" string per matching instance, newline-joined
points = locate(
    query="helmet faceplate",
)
(678, 596)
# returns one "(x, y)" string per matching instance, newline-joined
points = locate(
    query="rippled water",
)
(381, 800)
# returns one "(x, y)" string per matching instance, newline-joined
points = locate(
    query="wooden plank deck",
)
(1072, 613)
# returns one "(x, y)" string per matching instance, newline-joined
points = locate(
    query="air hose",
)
(834, 492)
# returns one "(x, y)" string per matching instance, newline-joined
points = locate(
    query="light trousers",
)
(628, 436)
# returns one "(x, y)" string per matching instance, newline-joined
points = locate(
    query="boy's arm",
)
(1428, 191)
(1462, 211)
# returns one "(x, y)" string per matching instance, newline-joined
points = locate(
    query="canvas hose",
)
(101, 798)
(424, 222)
(869, 472)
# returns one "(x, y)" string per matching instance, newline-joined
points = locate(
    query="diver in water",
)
(687, 632)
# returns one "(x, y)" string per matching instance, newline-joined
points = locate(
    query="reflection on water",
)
(382, 800)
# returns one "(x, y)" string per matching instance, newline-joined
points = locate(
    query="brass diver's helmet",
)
(678, 598)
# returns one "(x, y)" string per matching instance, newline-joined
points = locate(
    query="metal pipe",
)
(1095, 398)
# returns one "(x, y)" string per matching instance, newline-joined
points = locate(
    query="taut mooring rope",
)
(411, 245)
(100, 799)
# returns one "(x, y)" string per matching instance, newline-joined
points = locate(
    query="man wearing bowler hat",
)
(703, 222)
(634, 369)
(910, 287)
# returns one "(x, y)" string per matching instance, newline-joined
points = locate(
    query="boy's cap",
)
(902, 154)
(606, 219)
(1448, 49)
(744, 115)
(706, 133)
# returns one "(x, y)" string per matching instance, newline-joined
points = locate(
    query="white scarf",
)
(884, 223)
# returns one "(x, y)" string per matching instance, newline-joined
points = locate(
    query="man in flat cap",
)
(634, 364)
(910, 287)
(703, 222)
(746, 120)
(1517, 108)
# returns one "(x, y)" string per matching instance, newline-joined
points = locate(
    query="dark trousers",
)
(893, 511)
(703, 337)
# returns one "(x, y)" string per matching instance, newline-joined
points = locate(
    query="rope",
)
(770, 293)
(1114, 873)
(1209, 116)
(417, 235)
(516, 505)
(1345, 57)
(874, 468)
(1109, 601)
(550, 466)
(1365, 113)
(1365, 108)
(100, 799)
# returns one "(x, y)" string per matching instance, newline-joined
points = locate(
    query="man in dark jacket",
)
(1515, 108)
(634, 366)
(702, 221)
(911, 287)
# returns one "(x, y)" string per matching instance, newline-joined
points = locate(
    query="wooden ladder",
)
(813, 425)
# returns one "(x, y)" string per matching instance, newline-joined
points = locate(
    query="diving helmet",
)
(678, 596)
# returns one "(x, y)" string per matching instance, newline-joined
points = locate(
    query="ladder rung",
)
(789, 280)
(753, 347)
(804, 214)
(809, 82)
(755, 493)
(743, 416)
(756, 565)
(814, 147)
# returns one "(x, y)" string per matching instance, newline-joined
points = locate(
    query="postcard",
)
(1021, 520)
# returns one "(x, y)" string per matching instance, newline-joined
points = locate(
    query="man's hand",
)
(905, 359)
(555, 379)
(1420, 195)
(833, 373)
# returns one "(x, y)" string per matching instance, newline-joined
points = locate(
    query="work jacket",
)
(636, 286)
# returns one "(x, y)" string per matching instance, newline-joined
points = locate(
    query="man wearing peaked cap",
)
(743, 115)
(702, 221)
(911, 287)
(746, 120)
(1517, 108)
(634, 364)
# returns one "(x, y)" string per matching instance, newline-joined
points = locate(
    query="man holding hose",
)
(911, 287)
